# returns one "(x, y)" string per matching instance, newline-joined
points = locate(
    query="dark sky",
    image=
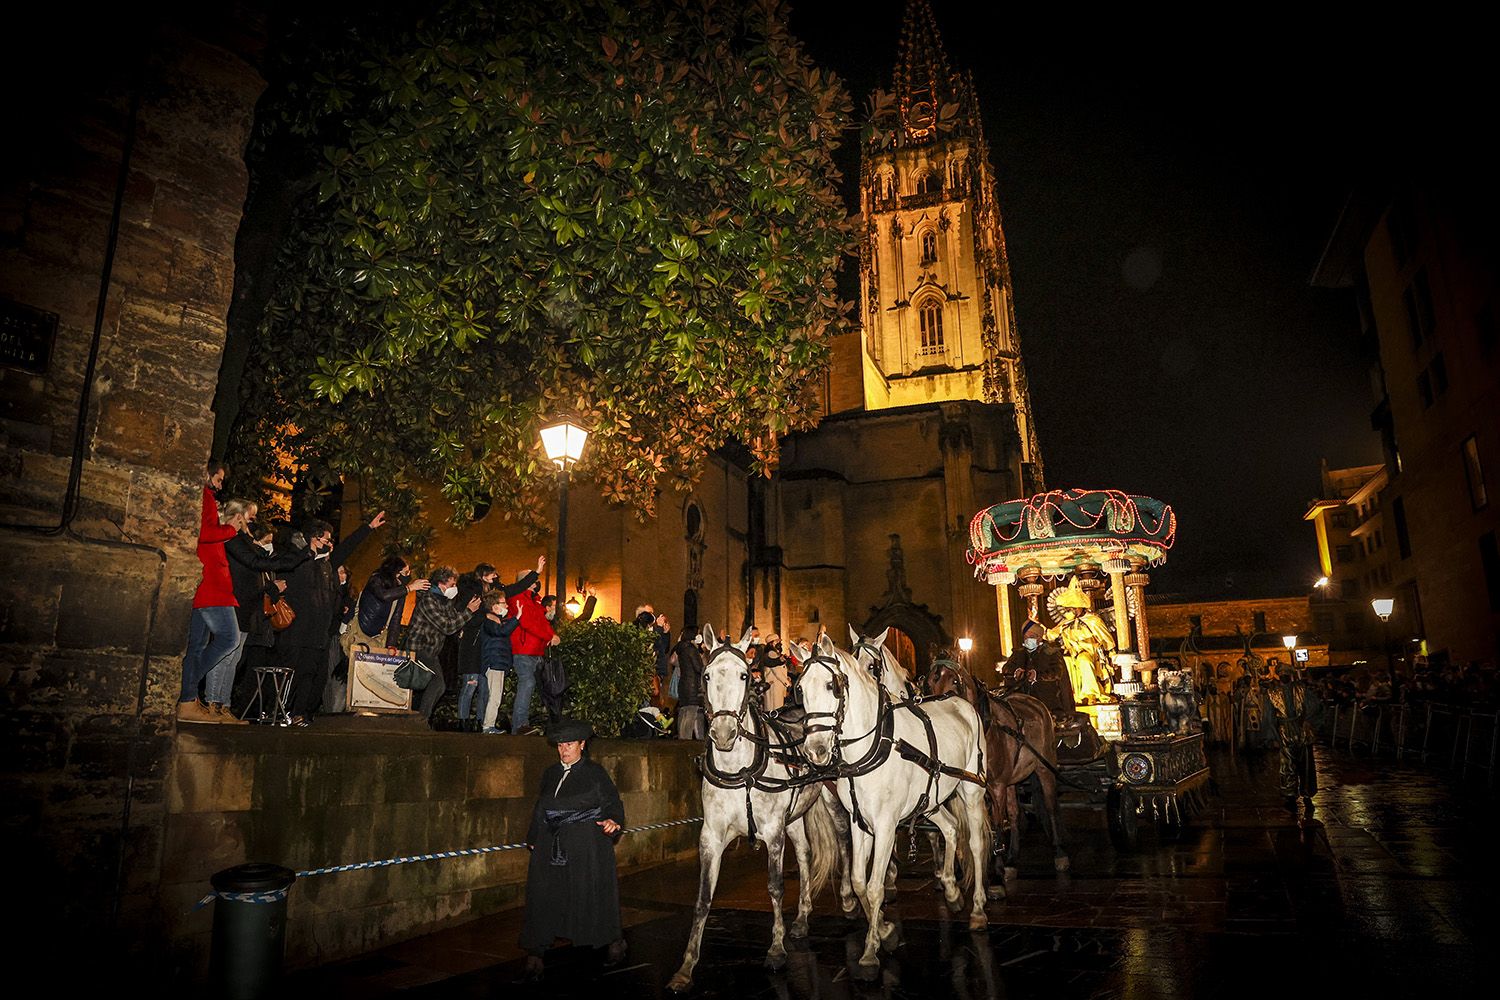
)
(1164, 212)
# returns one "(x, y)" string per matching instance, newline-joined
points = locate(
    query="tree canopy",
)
(626, 211)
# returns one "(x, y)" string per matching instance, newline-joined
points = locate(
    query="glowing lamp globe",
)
(965, 644)
(1383, 607)
(573, 607)
(1289, 641)
(563, 441)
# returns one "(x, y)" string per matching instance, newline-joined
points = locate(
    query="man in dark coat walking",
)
(572, 887)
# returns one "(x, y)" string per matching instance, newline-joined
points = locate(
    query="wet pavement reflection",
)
(1385, 891)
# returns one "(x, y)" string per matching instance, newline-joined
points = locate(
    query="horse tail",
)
(823, 845)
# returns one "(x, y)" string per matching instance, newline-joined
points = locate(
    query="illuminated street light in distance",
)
(965, 644)
(1383, 607)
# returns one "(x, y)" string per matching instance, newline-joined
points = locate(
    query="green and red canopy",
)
(1059, 531)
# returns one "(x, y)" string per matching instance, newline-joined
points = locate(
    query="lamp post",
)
(1290, 642)
(563, 441)
(964, 645)
(1383, 607)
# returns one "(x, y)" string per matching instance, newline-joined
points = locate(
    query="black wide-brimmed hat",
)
(569, 731)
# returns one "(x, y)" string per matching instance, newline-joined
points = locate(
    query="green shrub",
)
(609, 668)
(609, 674)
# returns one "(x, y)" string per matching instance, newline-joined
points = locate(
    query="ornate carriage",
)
(1137, 747)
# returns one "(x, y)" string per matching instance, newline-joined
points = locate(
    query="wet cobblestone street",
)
(1386, 892)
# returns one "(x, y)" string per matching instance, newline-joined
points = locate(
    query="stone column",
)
(1137, 582)
(1116, 568)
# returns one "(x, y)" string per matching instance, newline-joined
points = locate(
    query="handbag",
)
(554, 677)
(279, 611)
(412, 675)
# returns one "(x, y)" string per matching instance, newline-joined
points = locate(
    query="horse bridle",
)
(937, 669)
(840, 691)
(877, 661)
(739, 713)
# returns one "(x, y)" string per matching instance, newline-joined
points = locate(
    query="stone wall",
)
(310, 799)
(93, 611)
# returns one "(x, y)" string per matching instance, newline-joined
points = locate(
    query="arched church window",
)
(929, 248)
(930, 317)
(928, 183)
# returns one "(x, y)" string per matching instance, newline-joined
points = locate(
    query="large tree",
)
(624, 210)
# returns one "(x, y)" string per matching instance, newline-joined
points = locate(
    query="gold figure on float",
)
(1087, 645)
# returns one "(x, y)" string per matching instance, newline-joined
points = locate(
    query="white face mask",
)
(1030, 644)
(450, 592)
(551, 614)
(267, 546)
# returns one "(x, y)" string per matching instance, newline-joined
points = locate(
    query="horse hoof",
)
(995, 892)
(1011, 874)
(867, 970)
(1062, 864)
(776, 961)
(955, 903)
(798, 930)
(978, 923)
(851, 909)
(679, 983)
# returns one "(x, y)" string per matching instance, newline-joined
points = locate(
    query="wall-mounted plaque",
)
(26, 337)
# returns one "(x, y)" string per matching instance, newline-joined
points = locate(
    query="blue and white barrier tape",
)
(278, 895)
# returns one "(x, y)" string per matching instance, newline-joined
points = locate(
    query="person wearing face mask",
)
(387, 586)
(1036, 668)
(252, 568)
(468, 645)
(529, 643)
(437, 616)
(312, 589)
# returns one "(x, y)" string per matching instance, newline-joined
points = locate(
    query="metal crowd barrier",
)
(1447, 736)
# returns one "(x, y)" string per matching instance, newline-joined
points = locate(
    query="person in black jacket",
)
(689, 715)
(1036, 668)
(312, 589)
(252, 567)
(572, 887)
(385, 589)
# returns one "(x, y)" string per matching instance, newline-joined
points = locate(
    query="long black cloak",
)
(579, 901)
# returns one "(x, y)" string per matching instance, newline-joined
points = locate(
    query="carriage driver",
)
(1036, 668)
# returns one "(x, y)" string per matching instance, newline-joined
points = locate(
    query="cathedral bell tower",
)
(936, 308)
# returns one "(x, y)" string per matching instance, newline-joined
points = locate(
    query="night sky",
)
(1164, 213)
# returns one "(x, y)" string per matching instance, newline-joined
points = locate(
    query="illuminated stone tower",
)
(937, 313)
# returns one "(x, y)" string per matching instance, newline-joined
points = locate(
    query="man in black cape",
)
(572, 888)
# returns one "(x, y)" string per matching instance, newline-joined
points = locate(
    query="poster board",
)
(372, 686)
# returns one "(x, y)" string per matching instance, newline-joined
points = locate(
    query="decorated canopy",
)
(1060, 531)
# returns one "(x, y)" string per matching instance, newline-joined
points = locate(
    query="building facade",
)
(1419, 257)
(1349, 529)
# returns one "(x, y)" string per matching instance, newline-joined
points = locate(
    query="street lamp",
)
(1290, 642)
(964, 645)
(563, 441)
(1383, 607)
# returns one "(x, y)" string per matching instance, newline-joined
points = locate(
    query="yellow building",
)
(1352, 557)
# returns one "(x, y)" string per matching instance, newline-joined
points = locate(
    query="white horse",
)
(746, 794)
(851, 725)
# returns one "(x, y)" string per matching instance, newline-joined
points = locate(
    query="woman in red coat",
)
(214, 631)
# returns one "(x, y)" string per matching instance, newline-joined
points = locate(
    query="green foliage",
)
(627, 210)
(609, 668)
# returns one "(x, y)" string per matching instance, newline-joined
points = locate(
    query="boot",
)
(193, 711)
(224, 716)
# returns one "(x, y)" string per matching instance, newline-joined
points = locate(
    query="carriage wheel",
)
(1124, 823)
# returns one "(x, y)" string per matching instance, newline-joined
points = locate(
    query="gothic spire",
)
(925, 83)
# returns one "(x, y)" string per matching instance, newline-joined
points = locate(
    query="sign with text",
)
(372, 682)
(26, 337)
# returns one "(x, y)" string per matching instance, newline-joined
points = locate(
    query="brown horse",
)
(1019, 745)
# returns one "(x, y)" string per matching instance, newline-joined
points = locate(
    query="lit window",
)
(1474, 471)
(931, 317)
(929, 247)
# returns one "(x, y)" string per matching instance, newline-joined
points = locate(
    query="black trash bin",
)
(249, 930)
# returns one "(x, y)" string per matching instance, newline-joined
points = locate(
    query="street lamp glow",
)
(573, 607)
(1289, 641)
(1322, 582)
(564, 441)
(965, 644)
(1383, 607)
